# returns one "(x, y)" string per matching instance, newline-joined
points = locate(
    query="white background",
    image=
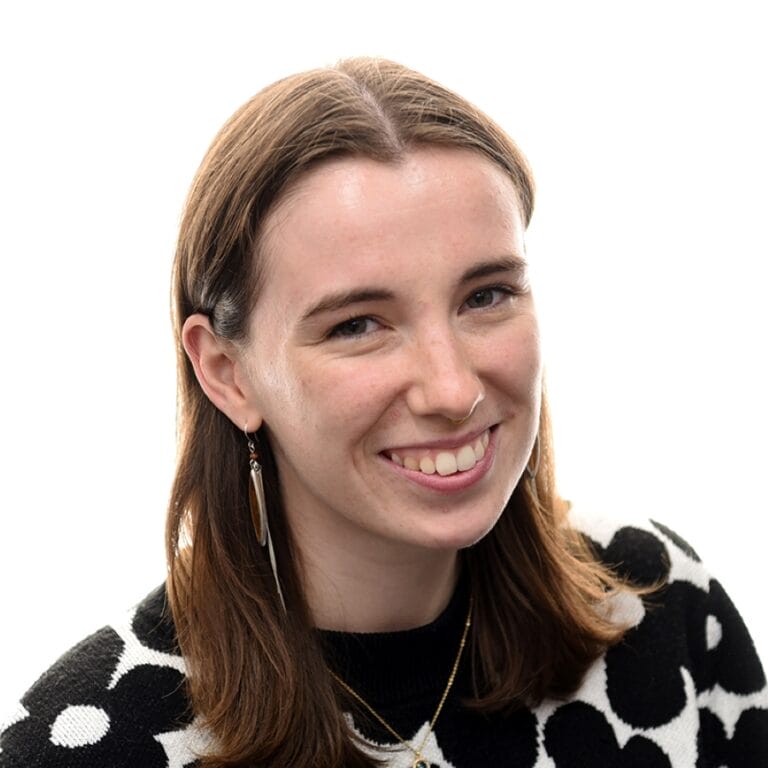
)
(646, 127)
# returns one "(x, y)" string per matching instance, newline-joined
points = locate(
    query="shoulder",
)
(643, 550)
(686, 678)
(687, 614)
(117, 698)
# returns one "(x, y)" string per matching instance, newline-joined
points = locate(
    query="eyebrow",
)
(336, 301)
(343, 299)
(512, 263)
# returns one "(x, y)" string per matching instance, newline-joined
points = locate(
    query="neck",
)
(385, 589)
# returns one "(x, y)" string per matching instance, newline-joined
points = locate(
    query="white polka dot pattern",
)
(714, 633)
(79, 726)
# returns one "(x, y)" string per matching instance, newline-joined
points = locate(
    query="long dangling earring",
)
(259, 509)
(531, 472)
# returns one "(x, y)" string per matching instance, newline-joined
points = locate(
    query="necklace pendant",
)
(419, 763)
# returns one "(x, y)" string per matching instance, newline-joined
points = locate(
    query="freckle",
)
(393, 416)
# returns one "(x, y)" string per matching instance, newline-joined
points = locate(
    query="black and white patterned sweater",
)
(685, 689)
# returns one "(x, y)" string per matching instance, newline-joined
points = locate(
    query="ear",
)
(220, 372)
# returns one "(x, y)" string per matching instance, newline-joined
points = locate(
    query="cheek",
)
(515, 360)
(531, 368)
(340, 397)
(365, 394)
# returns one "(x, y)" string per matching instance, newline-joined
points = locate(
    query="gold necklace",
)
(418, 760)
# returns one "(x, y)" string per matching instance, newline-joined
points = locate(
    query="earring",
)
(259, 509)
(531, 472)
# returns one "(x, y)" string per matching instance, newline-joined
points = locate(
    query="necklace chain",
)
(418, 761)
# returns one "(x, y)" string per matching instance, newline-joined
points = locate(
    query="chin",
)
(458, 536)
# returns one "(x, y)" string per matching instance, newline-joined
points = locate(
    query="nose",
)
(444, 380)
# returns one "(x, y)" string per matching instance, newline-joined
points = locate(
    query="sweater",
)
(684, 688)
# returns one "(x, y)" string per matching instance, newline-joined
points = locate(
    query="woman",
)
(368, 558)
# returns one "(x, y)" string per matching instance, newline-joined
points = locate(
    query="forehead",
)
(354, 215)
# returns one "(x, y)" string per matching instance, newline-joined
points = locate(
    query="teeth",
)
(465, 458)
(446, 462)
(427, 466)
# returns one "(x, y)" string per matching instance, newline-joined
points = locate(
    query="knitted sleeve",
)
(116, 699)
(729, 680)
(685, 688)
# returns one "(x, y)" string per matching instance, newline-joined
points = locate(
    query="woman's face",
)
(395, 303)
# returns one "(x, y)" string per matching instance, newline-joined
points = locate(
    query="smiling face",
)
(395, 303)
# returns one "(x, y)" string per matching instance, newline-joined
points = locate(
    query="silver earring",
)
(259, 509)
(531, 472)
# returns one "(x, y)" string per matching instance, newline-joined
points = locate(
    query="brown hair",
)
(257, 677)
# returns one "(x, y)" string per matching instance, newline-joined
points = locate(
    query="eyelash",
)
(508, 291)
(337, 331)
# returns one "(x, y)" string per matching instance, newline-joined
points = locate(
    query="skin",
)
(339, 388)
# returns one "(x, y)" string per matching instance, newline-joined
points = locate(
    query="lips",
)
(442, 461)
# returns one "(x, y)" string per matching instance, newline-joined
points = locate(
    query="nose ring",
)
(471, 411)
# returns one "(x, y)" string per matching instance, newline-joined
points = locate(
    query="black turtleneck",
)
(403, 675)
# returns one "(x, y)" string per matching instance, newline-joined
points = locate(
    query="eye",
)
(354, 328)
(485, 298)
